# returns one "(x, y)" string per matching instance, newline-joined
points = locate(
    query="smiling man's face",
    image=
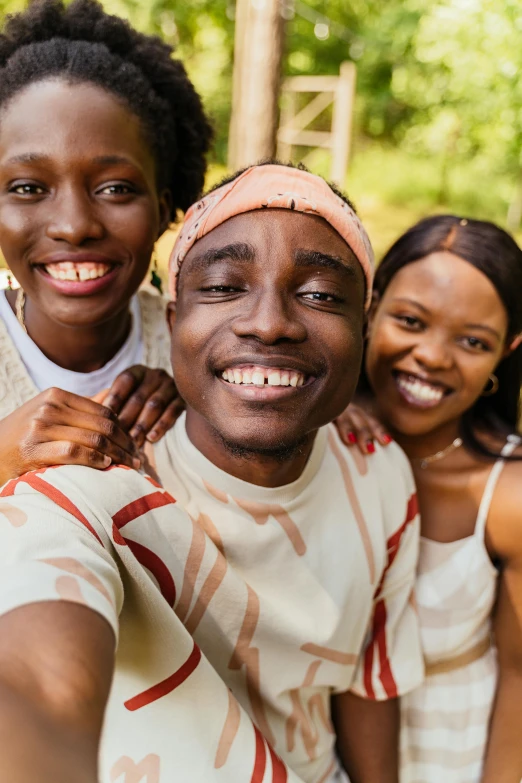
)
(268, 331)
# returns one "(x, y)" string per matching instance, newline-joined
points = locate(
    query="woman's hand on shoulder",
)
(146, 402)
(60, 428)
(357, 427)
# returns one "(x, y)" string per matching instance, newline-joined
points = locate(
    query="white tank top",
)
(457, 583)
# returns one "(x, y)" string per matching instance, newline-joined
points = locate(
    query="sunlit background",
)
(438, 111)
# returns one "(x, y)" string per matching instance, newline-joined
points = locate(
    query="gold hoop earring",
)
(493, 388)
(155, 279)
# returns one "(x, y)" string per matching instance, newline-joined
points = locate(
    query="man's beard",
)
(281, 452)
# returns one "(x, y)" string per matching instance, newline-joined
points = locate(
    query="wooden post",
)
(257, 71)
(342, 122)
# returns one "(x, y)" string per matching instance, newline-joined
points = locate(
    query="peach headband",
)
(276, 186)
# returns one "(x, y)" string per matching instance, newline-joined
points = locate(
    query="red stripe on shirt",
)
(54, 494)
(139, 507)
(146, 557)
(258, 772)
(279, 773)
(394, 541)
(166, 686)
(379, 615)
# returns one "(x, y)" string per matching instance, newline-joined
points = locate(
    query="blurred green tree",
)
(439, 80)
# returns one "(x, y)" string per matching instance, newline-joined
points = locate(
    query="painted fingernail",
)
(386, 439)
(136, 463)
(370, 447)
(352, 437)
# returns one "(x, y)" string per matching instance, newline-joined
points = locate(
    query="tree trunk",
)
(258, 51)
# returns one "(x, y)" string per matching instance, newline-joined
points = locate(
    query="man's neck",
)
(261, 469)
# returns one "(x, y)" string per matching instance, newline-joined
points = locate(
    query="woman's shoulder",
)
(504, 524)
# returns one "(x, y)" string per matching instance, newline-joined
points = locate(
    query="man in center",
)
(305, 604)
(288, 558)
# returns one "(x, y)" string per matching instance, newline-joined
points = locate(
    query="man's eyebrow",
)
(318, 258)
(28, 157)
(235, 251)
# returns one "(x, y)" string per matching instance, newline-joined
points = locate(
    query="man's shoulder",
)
(384, 479)
(84, 492)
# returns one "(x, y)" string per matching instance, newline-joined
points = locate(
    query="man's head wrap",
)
(279, 187)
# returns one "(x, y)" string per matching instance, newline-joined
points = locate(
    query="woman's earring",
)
(155, 279)
(493, 386)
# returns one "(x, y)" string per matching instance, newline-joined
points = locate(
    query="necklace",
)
(20, 308)
(424, 462)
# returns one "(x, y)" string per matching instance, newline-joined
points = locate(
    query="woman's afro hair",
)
(82, 43)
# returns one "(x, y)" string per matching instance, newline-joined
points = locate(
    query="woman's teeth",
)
(67, 270)
(419, 390)
(263, 376)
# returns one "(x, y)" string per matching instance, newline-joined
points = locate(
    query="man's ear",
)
(165, 205)
(171, 315)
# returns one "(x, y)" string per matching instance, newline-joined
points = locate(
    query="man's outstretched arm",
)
(56, 665)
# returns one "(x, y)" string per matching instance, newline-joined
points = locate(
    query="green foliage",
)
(439, 93)
(439, 78)
(203, 33)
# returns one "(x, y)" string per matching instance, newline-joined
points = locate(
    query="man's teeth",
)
(67, 270)
(424, 392)
(263, 376)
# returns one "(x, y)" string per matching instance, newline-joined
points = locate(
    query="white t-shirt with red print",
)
(237, 620)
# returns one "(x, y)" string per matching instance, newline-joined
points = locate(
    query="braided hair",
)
(82, 43)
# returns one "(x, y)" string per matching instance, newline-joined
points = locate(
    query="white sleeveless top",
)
(445, 721)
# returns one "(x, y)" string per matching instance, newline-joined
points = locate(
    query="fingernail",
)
(352, 437)
(134, 432)
(386, 439)
(370, 447)
(106, 462)
(136, 463)
(152, 437)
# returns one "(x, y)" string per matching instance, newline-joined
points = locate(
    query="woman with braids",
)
(442, 374)
(102, 141)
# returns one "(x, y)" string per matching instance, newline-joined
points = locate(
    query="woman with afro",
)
(102, 142)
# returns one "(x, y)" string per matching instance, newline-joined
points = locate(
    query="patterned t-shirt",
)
(283, 595)
(301, 591)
